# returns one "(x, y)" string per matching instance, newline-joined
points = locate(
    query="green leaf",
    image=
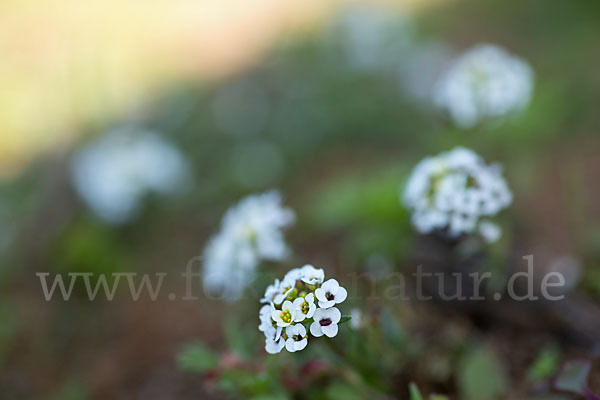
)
(438, 397)
(545, 365)
(573, 377)
(415, 394)
(481, 376)
(197, 357)
(345, 318)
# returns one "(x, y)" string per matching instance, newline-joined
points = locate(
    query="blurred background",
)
(128, 129)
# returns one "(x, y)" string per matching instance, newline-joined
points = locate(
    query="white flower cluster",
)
(454, 192)
(114, 173)
(486, 81)
(251, 231)
(302, 299)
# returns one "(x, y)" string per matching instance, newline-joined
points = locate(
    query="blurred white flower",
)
(485, 81)
(297, 339)
(113, 173)
(330, 294)
(325, 322)
(292, 306)
(256, 223)
(251, 231)
(355, 318)
(451, 192)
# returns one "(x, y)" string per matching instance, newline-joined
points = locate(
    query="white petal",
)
(290, 330)
(315, 329)
(300, 330)
(276, 315)
(320, 294)
(330, 330)
(341, 295)
(318, 313)
(334, 314)
(301, 344)
(273, 347)
(278, 299)
(330, 286)
(298, 302)
(326, 304)
(289, 345)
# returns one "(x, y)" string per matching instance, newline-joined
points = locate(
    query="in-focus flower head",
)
(485, 81)
(293, 308)
(251, 231)
(456, 193)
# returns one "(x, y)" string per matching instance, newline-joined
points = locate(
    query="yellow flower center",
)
(286, 316)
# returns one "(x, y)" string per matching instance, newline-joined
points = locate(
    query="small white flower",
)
(274, 342)
(286, 315)
(264, 315)
(270, 292)
(486, 81)
(305, 307)
(325, 322)
(312, 275)
(330, 293)
(297, 338)
(453, 191)
(293, 274)
(285, 288)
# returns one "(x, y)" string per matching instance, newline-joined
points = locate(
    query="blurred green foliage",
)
(481, 376)
(196, 357)
(340, 141)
